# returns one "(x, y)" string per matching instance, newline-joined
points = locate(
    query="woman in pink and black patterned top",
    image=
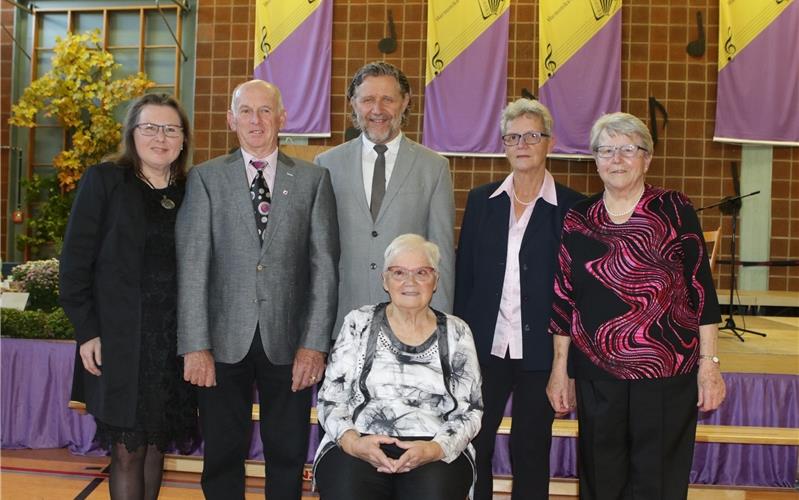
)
(635, 319)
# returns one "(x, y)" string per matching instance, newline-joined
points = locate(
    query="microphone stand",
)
(732, 206)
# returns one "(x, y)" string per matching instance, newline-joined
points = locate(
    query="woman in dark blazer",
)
(505, 265)
(118, 288)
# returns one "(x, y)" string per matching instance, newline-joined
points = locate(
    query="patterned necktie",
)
(378, 180)
(261, 198)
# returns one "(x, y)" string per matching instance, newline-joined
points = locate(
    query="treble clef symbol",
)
(436, 61)
(729, 47)
(265, 47)
(549, 64)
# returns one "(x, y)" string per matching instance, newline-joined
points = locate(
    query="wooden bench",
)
(728, 434)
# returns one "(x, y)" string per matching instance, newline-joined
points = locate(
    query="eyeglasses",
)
(626, 150)
(530, 138)
(403, 274)
(151, 130)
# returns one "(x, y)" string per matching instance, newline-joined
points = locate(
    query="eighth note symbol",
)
(265, 47)
(549, 64)
(729, 47)
(436, 61)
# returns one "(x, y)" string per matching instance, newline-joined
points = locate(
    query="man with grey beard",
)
(386, 185)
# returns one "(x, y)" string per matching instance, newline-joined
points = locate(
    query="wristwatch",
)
(714, 359)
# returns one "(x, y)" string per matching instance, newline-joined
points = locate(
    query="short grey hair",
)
(271, 86)
(521, 107)
(614, 124)
(408, 242)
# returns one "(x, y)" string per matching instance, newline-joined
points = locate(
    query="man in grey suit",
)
(386, 185)
(257, 250)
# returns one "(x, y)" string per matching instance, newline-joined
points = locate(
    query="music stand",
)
(732, 206)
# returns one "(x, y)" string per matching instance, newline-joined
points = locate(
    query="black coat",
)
(480, 269)
(100, 287)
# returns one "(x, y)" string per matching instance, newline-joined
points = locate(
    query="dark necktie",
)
(378, 180)
(261, 199)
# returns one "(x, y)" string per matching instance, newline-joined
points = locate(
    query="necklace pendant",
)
(167, 203)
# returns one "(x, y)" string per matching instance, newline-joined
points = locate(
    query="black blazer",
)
(100, 276)
(480, 269)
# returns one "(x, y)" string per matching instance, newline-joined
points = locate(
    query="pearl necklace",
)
(626, 212)
(524, 203)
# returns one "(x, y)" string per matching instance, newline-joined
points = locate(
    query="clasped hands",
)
(367, 448)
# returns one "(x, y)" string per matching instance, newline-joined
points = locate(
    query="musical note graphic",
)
(696, 48)
(389, 44)
(435, 61)
(729, 47)
(549, 64)
(654, 107)
(265, 47)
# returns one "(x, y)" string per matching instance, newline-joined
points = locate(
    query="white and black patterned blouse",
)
(375, 384)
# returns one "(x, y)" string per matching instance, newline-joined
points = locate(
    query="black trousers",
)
(340, 476)
(531, 431)
(636, 437)
(226, 422)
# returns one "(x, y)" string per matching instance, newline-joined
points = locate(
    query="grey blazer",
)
(419, 199)
(228, 282)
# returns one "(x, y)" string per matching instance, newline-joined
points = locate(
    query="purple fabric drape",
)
(37, 375)
(36, 382)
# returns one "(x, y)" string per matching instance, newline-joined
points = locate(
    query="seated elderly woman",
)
(401, 399)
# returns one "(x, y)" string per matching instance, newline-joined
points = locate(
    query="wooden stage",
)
(759, 298)
(778, 352)
(56, 474)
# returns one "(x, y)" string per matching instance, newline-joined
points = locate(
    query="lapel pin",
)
(285, 192)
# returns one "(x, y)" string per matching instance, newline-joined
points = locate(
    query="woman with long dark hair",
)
(118, 288)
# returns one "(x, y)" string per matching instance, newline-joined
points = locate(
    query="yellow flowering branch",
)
(81, 94)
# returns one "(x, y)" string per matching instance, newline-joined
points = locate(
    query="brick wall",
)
(654, 63)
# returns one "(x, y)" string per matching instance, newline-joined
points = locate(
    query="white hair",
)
(408, 242)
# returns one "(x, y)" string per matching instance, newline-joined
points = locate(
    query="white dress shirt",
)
(368, 157)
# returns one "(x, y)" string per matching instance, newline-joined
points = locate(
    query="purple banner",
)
(462, 105)
(584, 88)
(300, 67)
(758, 90)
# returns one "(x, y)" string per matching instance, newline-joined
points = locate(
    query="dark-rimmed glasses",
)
(151, 129)
(530, 138)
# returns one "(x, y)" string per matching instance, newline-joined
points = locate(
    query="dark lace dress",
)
(166, 409)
